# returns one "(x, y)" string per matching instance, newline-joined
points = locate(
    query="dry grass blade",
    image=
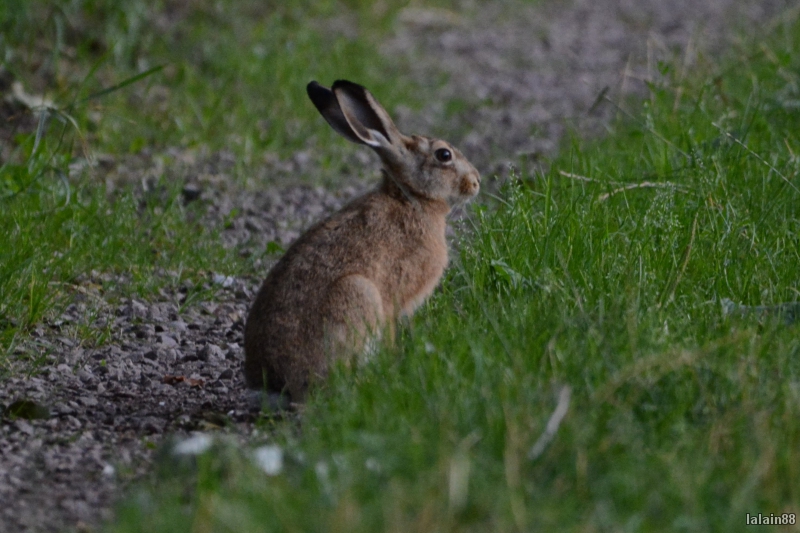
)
(576, 177)
(625, 187)
(553, 424)
(642, 185)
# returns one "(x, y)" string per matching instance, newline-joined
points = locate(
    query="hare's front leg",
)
(354, 318)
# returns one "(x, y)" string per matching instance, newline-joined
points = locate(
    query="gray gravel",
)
(526, 72)
(164, 372)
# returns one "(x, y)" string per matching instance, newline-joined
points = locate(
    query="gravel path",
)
(535, 69)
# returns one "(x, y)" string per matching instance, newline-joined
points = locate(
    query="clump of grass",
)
(604, 274)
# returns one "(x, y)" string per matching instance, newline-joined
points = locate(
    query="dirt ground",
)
(539, 67)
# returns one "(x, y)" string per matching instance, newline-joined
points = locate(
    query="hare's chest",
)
(428, 270)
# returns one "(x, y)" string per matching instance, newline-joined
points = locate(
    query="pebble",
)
(63, 409)
(24, 427)
(167, 341)
(210, 352)
(178, 325)
(88, 401)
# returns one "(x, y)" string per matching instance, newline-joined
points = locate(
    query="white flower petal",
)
(269, 458)
(194, 445)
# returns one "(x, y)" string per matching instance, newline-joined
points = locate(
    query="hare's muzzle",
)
(470, 184)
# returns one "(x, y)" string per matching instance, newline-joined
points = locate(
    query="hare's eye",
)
(443, 155)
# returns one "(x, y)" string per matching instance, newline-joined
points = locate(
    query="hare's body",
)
(357, 271)
(321, 288)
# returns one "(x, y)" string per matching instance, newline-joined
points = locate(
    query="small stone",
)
(223, 280)
(152, 355)
(233, 354)
(167, 341)
(134, 309)
(67, 342)
(253, 224)
(178, 325)
(226, 374)
(210, 352)
(88, 401)
(63, 409)
(24, 427)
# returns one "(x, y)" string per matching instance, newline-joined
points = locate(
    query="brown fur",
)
(357, 271)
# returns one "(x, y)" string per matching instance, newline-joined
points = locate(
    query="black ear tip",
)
(314, 88)
(347, 86)
(321, 96)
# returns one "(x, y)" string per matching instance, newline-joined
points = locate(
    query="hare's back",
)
(351, 238)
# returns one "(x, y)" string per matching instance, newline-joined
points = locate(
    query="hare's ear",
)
(325, 102)
(354, 113)
(368, 120)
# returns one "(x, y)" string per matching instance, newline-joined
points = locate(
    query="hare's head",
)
(421, 167)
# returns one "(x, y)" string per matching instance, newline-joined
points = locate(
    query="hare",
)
(354, 273)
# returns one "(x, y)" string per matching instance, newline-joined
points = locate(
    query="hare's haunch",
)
(355, 272)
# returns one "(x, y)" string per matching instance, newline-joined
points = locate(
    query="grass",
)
(681, 419)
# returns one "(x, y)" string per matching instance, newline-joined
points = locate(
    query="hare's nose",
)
(471, 184)
(475, 178)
